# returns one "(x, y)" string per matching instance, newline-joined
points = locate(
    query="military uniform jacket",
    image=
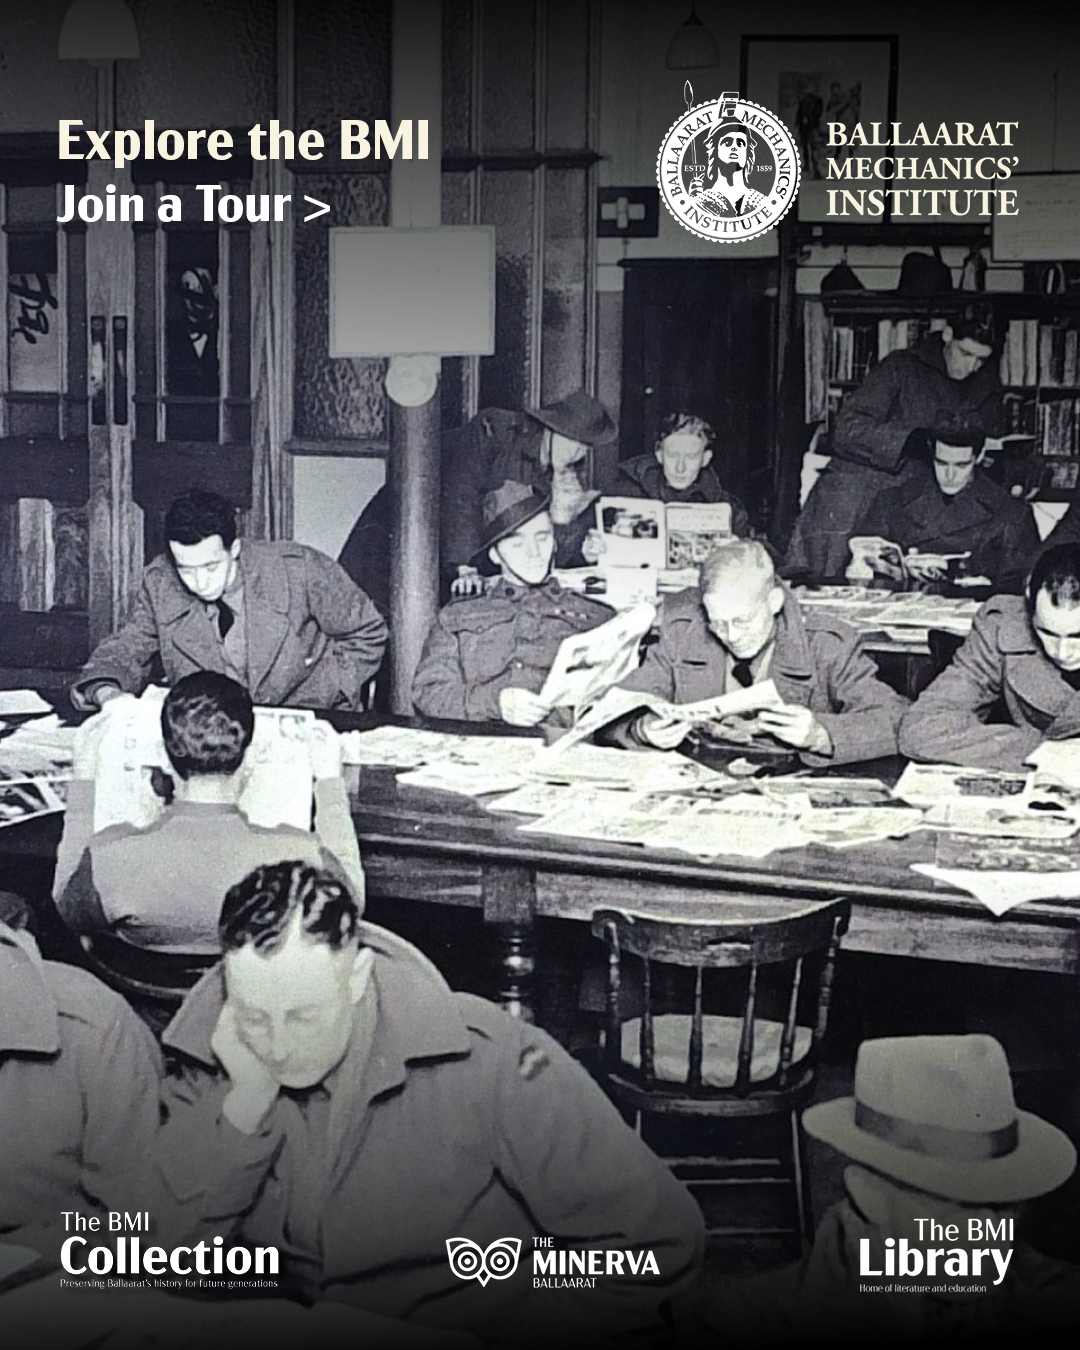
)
(817, 662)
(911, 389)
(905, 391)
(314, 638)
(457, 1121)
(79, 1099)
(643, 476)
(505, 639)
(998, 530)
(1000, 664)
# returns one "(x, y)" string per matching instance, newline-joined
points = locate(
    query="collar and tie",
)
(225, 618)
(742, 674)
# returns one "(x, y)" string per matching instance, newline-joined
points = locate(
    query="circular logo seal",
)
(728, 170)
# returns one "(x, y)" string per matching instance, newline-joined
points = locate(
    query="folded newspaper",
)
(1057, 762)
(987, 801)
(589, 663)
(618, 703)
(744, 825)
(1001, 891)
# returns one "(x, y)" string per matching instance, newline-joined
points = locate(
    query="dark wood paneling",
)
(698, 337)
(53, 641)
(56, 470)
(162, 472)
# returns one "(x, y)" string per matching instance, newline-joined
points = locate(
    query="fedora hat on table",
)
(580, 417)
(505, 509)
(937, 1113)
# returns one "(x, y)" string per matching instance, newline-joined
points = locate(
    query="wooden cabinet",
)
(699, 337)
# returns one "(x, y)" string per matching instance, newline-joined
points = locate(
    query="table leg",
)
(509, 901)
(517, 964)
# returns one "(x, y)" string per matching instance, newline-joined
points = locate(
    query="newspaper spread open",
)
(278, 790)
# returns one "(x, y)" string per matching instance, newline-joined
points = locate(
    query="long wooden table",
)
(446, 849)
(449, 850)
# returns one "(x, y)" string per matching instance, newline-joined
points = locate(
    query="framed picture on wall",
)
(812, 81)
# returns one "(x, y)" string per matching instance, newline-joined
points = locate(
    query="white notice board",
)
(405, 292)
(1047, 226)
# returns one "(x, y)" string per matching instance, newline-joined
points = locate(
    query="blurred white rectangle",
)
(1043, 227)
(405, 292)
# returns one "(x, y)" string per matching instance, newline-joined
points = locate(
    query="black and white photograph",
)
(539, 674)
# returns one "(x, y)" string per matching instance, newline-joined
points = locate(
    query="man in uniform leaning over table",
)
(744, 626)
(281, 619)
(486, 657)
(1016, 680)
(951, 506)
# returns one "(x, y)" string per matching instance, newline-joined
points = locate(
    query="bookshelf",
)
(846, 335)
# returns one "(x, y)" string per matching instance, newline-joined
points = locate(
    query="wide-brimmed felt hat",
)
(579, 416)
(505, 509)
(938, 1113)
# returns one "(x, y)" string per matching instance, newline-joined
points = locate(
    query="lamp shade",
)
(98, 30)
(693, 47)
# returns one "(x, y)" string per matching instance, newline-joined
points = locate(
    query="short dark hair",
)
(687, 424)
(200, 515)
(967, 440)
(1057, 572)
(976, 321)
(207, 721)
(259, 910)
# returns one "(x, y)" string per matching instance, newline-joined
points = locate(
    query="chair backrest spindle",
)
(648, 1043)
(802, 946)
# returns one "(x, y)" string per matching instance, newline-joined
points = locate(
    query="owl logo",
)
(469, 1261)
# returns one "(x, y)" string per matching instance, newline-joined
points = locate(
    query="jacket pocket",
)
(487, 653)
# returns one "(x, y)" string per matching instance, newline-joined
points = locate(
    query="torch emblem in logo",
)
(727, 170)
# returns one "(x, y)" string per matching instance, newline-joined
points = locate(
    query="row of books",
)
(1052, 424)
(1037, 353)
(858, 346)
(1064, 475)
(1058, 428)
(1034, 353)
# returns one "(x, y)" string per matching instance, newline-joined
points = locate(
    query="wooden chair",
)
(153, 983)
(671, 1056)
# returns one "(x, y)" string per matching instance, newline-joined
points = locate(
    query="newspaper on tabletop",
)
(988, 801)
(1001, 891)
(21, 703)
(746, 825)
(25, 801)
(930, 785)
(40, 749)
